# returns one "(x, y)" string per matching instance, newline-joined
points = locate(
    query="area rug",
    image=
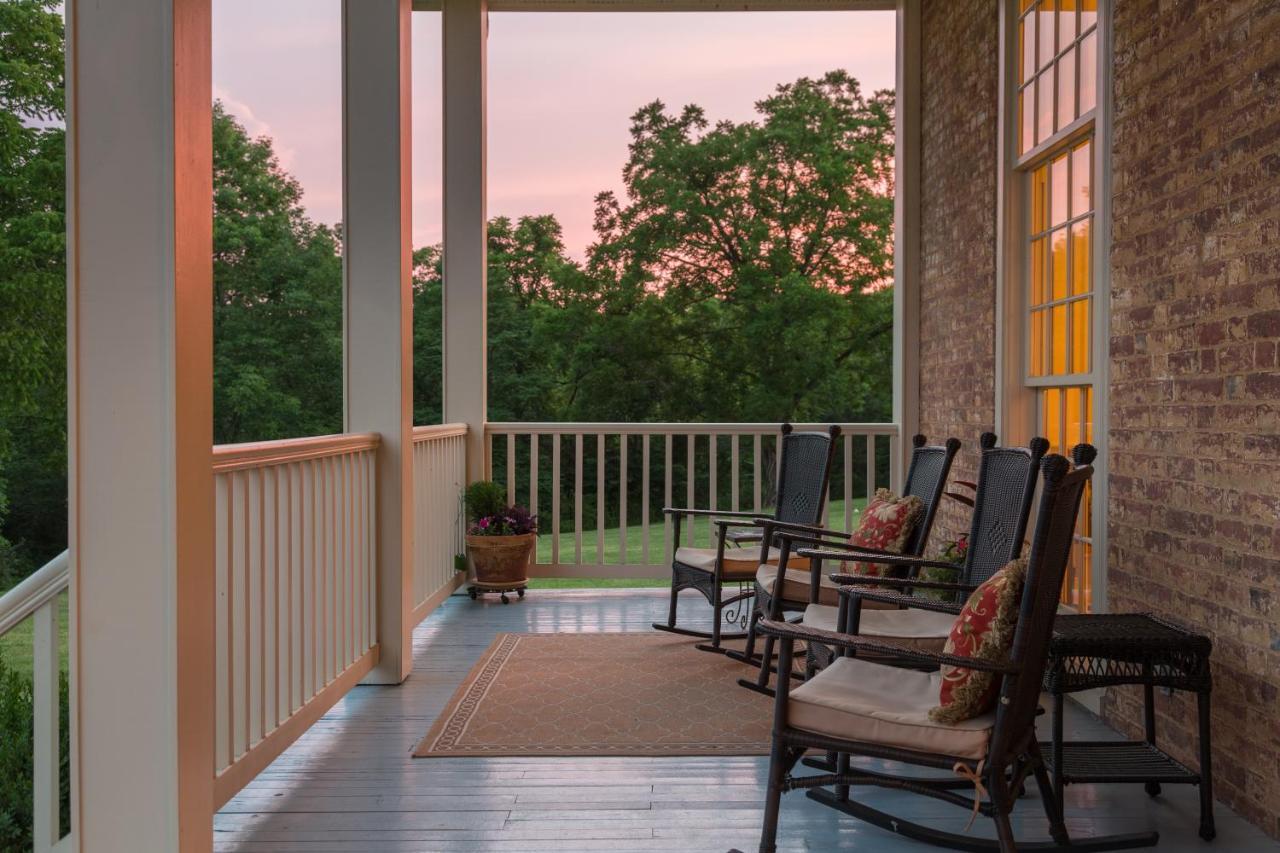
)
(636, 694)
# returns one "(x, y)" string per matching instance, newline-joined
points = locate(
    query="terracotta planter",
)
(501, 561)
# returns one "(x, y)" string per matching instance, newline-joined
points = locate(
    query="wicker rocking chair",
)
(863, 708)
(1002, 507)
(803, 474)
(780, 589)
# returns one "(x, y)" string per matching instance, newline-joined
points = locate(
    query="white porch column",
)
(465, 31)
(140, 371)
(378, 300)
(906, 235)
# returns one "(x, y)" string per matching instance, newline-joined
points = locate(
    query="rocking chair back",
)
(804, 471)
(1050, 552)
(926, 478)
(1001, 507)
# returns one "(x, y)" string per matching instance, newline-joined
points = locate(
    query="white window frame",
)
(1016, 397)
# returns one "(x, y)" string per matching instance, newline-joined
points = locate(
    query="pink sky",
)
(562, 88)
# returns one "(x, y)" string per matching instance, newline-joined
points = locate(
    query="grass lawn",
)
(16, 649)
(702, 534)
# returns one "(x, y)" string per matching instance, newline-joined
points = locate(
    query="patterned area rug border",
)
(745, 733)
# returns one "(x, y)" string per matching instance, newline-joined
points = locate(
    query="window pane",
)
(1058, 190)
(1051, 417)
(1040, 200)
(1088, 415)
(1080, 273)
(1088, 72)
(1081, 174)
(1058, 261)
(1058, 342)
(1045, 13)
(1026, 109)
(1066, 22)
(1067, 89)
(1044, 106)
(1080, 337)
(1088, 14)
(1038, 250)
(1037, 343)
(1027, 34)
(1074, 432)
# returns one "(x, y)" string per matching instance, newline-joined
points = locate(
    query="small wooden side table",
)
(1110, 649)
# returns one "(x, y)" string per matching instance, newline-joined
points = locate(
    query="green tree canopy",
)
(277, 315)
(32, 280)
(758, 254)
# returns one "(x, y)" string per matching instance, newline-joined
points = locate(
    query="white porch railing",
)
(296, 596)
(623, 474)
(36, 598)
(439, 474)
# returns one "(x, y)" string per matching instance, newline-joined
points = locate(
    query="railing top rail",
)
(678, 428)
(427, 433)
(34, 592)
(258, 454)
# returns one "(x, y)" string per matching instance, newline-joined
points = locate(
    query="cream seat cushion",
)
(922, 629)
(867, 702)
(795, 587)
(739, 563)
(795, 584)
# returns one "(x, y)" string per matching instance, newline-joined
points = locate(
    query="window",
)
(1056, 100)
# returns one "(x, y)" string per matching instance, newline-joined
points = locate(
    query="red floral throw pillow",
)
(984, 631)
(886, 525)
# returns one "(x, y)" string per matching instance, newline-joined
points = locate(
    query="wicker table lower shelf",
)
(1108, 650)
(1119, 761)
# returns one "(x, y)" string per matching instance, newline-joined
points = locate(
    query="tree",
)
(759, 253)
(32, 281)
(277, 315)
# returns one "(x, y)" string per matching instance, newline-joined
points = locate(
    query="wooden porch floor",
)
(350, 784)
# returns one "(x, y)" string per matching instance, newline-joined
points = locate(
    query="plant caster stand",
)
(478, 589)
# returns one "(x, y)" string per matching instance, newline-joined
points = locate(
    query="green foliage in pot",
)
(483, 498)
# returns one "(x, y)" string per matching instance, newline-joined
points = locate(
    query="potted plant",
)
(500, 540)
(953, 552)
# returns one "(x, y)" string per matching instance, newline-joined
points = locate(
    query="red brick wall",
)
(1195, 390)
(960, 78)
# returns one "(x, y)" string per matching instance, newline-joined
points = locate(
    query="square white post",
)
(378, 297)
(906, 235)
(465, 30)
(140, 378)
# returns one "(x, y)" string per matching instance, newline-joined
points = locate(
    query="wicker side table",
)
(1106, 650)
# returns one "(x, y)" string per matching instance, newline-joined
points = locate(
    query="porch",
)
(350, 782)
(278, 594)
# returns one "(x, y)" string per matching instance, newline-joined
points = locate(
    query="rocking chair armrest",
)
(725, 523)
(866, 556)
(901, 600)
(675, 510)
(908, 654)
(792, 530)
(849, 581)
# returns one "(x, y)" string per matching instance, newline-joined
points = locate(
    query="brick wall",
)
(960, 78)
(1195, 391)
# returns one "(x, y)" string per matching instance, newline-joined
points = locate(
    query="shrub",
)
(16, 766)
(484, 498)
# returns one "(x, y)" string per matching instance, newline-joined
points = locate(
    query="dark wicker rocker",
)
(1002, 507)
(926, 479)
(864, 708)
(803, 473)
